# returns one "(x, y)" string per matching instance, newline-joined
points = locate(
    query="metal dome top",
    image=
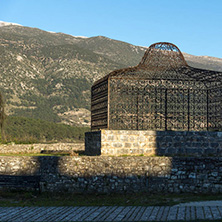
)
(162, 54)
(164, 60)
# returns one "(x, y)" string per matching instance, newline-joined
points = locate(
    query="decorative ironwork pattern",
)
(161, 93)
(99, 105)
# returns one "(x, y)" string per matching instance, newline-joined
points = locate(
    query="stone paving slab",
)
(111, 213)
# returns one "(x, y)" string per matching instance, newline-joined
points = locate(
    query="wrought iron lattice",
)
(161, 93)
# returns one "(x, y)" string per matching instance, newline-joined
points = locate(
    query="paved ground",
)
(164, 213)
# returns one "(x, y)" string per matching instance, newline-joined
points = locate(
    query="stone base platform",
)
(162, 143)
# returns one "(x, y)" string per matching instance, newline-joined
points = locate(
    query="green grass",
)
(34, 154)
(63, 199)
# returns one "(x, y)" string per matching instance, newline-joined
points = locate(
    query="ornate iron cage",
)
(161, 93)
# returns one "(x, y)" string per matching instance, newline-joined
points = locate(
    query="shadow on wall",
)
(113, 174)
(189, 143)
(24, 173)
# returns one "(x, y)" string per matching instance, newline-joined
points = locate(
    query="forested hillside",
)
(48, 75)
(26, 130)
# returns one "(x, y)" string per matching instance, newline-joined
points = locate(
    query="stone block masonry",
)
(161, 143)
(103, 174)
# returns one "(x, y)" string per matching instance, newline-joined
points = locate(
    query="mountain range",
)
(48, 76)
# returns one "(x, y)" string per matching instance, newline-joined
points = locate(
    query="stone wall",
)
(39, 147)
(117, 174)
(163, 143)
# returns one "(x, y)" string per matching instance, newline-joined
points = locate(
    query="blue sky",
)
(195, 26)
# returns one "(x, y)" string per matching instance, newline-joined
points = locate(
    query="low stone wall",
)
(118, 174)
(39, 147)
(163, 143)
